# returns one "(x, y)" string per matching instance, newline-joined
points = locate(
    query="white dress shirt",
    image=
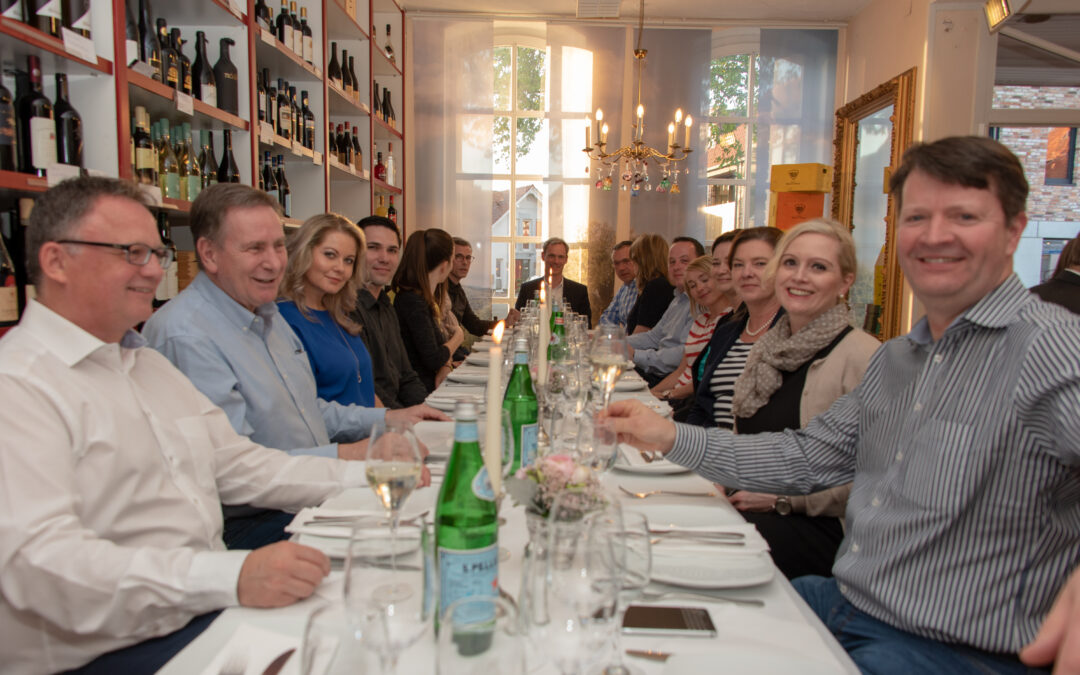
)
(113, 471)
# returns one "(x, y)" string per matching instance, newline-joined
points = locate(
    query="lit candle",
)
(603, 133)
(599, 125)
(640, 120)
(689, 121)
(678, 116)
(545, 336)
(670, 135)
(493, 435)
(588, 131)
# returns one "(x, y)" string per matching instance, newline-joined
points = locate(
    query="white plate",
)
(659, 466)
(482, 346)
(630, 384)
(437, 436)
(468, 376)
(478, 359)
(447, 403)
(711, 568)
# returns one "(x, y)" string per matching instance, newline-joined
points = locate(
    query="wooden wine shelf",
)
(176, 204)
(341, 172)
(51, 50)
(381, 65)
(338, 17)
(383, 187)
(384, 130)
(282, 59)
(291, 222)
(22, 182)
(230, 9)
(341, 104)
(168, 94)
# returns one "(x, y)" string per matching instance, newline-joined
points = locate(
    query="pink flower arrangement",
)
(536, 486)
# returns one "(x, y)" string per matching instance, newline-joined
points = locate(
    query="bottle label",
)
(9, 304)
(42, 142)
(466, 432)
(481, 485)
(284, 121)
(209, 94)
(309, 49)
(14, 12)
(83, 22)
(468, 574)
(194, 187)
(187, 82)
(529, 436)
(51, 8)
(144, 159)
(172, 75)
(286, 205)
(286, 36)
(170, 185)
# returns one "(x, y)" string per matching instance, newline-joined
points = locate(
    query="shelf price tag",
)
(79, 46)
(185, 103)
(143, 68)
(268, 38)
(317, 158)
(153, 192)
(297, 149)
(266, 133)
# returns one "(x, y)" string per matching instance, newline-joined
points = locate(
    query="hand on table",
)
(354, 451)
(1058, 641)
(280, 574)
(639, 426)
(512, 317)
(752, 501)
(414, 414)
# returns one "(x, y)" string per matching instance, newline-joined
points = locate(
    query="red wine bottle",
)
(203, 82)
(69, 127)
(7, 130)
(228, 171)
(225, 75)
(35, 128)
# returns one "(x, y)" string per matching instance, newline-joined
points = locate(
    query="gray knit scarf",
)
(779, 351)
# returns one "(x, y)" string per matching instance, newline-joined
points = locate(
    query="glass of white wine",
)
(393, 468)
(608, 356)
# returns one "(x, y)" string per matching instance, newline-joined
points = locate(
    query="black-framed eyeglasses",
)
(136, 254)
(463, 257)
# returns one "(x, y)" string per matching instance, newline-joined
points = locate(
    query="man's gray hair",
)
(552, 241)
(210, 207)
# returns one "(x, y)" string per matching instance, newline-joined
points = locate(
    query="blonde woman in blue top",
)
(318, 292)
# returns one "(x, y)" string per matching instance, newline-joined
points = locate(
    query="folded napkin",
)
(304, 522)
(437, 436)
(478, 359)
(262, 647)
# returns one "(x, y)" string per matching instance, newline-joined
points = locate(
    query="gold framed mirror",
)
(872, 133)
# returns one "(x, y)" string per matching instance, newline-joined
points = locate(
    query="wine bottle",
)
(466, 525)
(9, 286)
(203, 82)
(345, 145)
(284, 25)
(149, 47)
(388, 47)
(520, 403)
(145, 161)
(333, 71)
(180, 150)
(358, 154)
(264, 15)
(191, 161)
(380, 168)
(284, 194)
(169, 166)
(388, 108)
(391, 211)
(297, 116)
(45, 15)
(271, 101)
(309, 122)
(208, 165)
(297, 31)
(309, 40)
(131, 33)
(284, 110)
(260, 96)
(228, 171)
(376, 104)
(34, 125)
(77, 16)
(391, 169)
(185, 62)
(7, 130)
(170, 61)
(69, 129)
(269, 181)
(346, 79)
(12, 9)
(227, 83)
(355, 80)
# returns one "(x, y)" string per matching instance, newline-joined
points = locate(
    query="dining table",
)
(762, 624)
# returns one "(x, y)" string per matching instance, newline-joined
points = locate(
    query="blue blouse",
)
(335, 356)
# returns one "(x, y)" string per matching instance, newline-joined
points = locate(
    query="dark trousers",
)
(799, 544)
(254, 531)
(149, 656)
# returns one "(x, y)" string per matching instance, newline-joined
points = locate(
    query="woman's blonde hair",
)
(830, 228)
(301, 246)
(704, 266)
(650, 253)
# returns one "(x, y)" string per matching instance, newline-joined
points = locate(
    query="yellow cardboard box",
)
(801, 178)
(788, 209)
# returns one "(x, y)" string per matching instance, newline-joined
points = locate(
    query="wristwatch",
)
(782, 505)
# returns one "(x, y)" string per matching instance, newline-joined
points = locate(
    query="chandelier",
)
(633, 160)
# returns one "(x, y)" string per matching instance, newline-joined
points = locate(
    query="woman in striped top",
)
(726, 354)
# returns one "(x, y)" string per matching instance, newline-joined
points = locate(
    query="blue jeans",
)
(879, 649)
(149, 656)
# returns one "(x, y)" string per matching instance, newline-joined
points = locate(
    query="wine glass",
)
(480, 635)
(390, 622)
(608, 355)
(393, 469)
(597, 442)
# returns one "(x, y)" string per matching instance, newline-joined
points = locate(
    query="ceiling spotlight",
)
(997, 12)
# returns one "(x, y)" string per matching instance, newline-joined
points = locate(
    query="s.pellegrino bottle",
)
(228, 98)
(466, 525)
(520, 403)
(557, 348)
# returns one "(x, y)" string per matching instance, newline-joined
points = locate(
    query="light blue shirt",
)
(660, 349)
(254, 367)
(619, 309)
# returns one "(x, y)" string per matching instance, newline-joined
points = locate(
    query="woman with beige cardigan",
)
(808, 359)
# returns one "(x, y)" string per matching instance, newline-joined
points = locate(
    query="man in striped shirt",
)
(625, 268)
(963, 442)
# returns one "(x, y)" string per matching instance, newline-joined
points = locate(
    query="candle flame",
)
(640, 110)
(497, 334)
(599, 115)
(689, 121)
(670, 128)
(543, 295)
(678, 115)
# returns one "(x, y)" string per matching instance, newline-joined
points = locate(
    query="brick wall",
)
(1045, 202)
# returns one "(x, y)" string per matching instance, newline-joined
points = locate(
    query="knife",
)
(277, 664)
(697, 534)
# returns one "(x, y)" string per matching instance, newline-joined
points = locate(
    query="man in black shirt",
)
(459, 302)
(396, 383)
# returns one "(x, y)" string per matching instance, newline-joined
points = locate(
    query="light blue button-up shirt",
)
(660, 349)
(254, 367)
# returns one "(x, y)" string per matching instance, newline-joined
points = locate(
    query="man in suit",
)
(569, 292)
(1064, 287)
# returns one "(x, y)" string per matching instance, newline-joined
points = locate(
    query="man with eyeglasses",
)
(459, 302)
(115, 467)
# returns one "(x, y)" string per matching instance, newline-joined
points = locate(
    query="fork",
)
(650, 493)
(653, 596)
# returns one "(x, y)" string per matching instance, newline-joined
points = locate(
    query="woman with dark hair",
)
(650, 253)
(720, 364)
(318, 293)
(419, 286)
(1064, 287)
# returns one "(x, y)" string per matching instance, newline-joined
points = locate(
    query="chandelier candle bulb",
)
(689, 121)
(678, 116)
(588, 132)
(670, 136)
(493, 422)
(603, 133)
(544, 339)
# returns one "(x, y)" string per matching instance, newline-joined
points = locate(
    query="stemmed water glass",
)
(634, 571)
(597, 442)
(608, 356)
(393, 469)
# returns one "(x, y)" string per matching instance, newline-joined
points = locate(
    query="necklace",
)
(359, 377)
(753, 333)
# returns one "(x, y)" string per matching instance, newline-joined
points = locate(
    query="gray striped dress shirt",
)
(964, 516)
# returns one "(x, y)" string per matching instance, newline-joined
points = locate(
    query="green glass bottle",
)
(466, 520)
(557, 348)
(169, 173)
(520, 402)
